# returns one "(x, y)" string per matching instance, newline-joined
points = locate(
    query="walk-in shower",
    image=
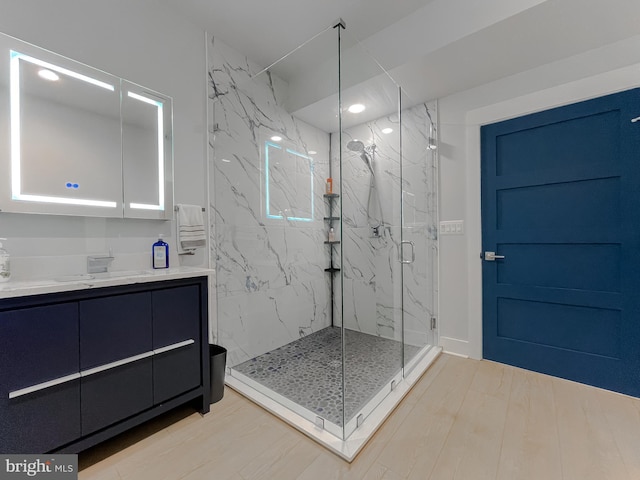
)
(326, 323)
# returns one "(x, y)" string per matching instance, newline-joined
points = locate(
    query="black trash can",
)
(217, 366)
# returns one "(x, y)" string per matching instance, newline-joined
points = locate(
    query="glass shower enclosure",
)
(323, 191)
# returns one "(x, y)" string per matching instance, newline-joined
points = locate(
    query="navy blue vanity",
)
(82, 365)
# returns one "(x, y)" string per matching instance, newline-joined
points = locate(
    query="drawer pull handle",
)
(101, 368)
(174, 346)
(43, 385)
(109, 366)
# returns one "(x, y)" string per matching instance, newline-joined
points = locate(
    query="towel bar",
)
(176, 208)
(190, 251)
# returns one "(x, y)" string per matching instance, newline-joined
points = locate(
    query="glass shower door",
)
(419, 229)
(371, 272)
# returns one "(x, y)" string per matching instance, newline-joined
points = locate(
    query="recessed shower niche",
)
(75, 140)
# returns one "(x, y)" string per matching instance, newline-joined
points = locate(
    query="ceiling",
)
(432, 48)
(267, 30)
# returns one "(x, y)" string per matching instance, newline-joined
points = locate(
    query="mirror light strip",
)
(64, 71)
(144, 99)
(16, 173)
(266, 179)
(160, 157)
(160, 107)
(15, 124)
(63, 200)
(146, 206)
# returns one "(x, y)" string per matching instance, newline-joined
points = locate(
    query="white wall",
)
(598, 72)
(141, 42)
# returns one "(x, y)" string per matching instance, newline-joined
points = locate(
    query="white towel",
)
(191, 232)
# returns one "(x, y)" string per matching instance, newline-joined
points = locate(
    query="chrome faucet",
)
(99, 264)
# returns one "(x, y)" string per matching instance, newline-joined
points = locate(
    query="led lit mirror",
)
(146, 153)
(64, 129)
(287, 182)
(77, 141)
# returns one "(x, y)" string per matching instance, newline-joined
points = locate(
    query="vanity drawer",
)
(176, 341)
(115, 394)
(114, 328)
(39, 379)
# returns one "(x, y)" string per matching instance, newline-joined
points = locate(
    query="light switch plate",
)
(452, 227)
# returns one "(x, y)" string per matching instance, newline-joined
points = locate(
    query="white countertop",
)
(66, 283)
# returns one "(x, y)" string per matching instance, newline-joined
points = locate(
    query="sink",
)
(74, 278)
(116, 274)
(83, 277)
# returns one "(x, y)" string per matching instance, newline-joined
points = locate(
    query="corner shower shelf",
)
(330, 219)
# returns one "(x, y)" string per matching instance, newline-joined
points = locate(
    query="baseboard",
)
(454, 346)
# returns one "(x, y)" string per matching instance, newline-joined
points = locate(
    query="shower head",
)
(366, 158)
(365, 152)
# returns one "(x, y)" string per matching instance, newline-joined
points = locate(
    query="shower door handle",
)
(413, 252)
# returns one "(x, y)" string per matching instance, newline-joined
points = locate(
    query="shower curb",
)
(349, 448)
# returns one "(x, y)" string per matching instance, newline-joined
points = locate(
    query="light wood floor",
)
(465, 419)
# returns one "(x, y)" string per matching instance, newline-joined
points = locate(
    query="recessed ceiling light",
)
(48, 75)
(276, 138)
(312, 152)
(387, 130)
(356, 108)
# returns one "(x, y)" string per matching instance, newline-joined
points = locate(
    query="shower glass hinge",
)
(320, 422)
(433, 323)
(359, 420)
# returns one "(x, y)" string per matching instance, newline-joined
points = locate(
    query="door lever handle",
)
(492, 257)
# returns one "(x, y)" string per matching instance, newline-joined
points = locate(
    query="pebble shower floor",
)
(308, 371)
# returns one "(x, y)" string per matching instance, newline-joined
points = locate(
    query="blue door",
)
(561, 205)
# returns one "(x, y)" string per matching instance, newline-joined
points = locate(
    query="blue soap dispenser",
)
(160, 254)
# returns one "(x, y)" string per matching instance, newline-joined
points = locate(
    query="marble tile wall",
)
(269, 255)
(372, 273)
